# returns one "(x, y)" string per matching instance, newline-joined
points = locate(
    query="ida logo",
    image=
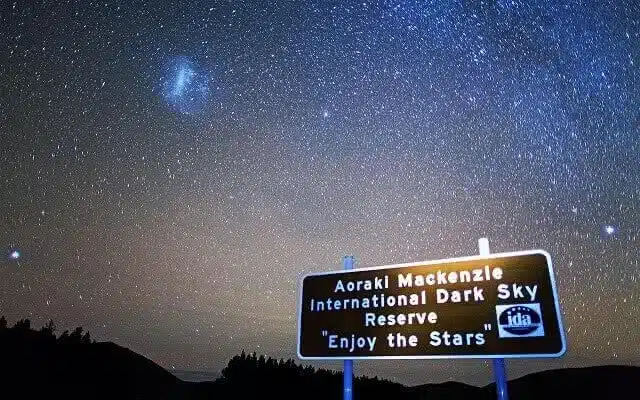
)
(519, 320)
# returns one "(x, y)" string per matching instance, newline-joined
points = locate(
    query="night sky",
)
(170, 170)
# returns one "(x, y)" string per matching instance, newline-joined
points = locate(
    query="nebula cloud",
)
(184, 85)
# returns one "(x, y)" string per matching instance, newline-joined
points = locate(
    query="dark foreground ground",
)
(37, 365)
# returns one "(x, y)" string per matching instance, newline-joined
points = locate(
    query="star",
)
(14, 255)
(609, 230)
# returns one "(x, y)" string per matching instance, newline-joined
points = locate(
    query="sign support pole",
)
(499, 370)
(347, 373)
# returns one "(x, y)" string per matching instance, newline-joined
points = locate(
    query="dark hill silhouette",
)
(601, 382)
(37, 364)
(445, 390)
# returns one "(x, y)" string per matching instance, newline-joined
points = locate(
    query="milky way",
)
(170, 170)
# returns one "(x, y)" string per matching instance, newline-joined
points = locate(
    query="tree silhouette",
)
(49, 329)
(24, 324)
(36, 364)
(64, 337)
(73, 365)
(76, 335)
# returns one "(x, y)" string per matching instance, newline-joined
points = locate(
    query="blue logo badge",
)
(519, 320)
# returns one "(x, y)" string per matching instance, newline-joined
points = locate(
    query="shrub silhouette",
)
(281, 378)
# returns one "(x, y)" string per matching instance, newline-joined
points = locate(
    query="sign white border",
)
(554, 291)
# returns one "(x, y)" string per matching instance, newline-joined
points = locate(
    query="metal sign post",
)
(498, 363)
(347, 373)
(489, 305)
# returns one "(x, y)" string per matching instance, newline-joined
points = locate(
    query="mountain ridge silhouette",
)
(35, 364)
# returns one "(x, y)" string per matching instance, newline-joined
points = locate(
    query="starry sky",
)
(171, 169)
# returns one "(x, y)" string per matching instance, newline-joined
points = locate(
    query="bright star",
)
(609, 229)
(14, 255)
